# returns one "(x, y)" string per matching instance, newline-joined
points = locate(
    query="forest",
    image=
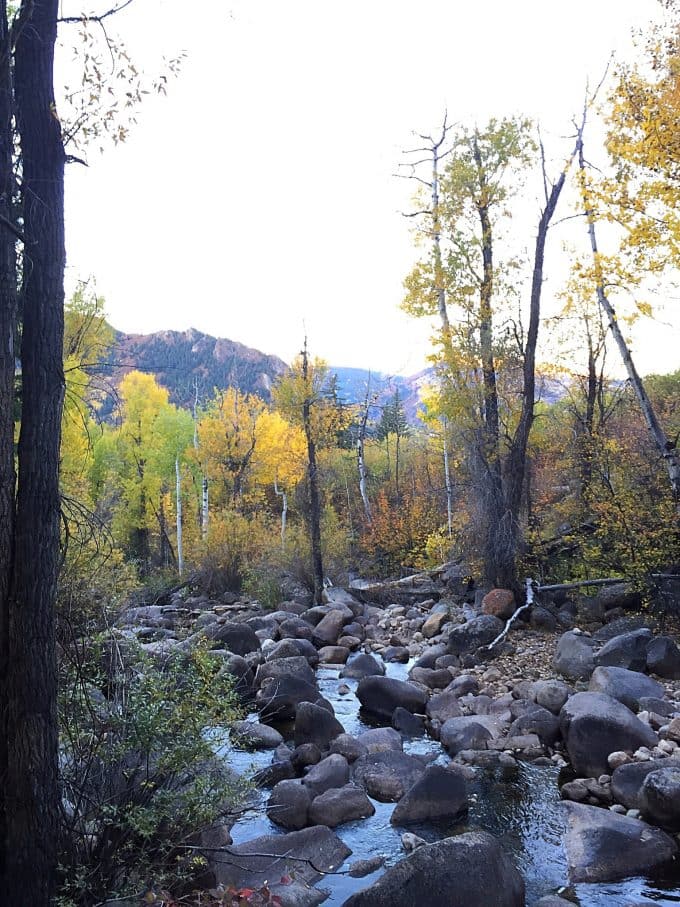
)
(154, 555)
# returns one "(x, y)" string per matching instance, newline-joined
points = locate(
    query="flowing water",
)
(524, 813)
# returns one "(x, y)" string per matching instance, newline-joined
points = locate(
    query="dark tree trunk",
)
(7, 362)
(31, 789)
(313, 484)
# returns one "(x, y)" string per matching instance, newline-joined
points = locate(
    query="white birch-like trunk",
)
(362, 479)
(284, 512)
(204, 509)
(447, 480)
(178, 510)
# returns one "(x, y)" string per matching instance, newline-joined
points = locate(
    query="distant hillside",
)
(180, 358)
(352, 383)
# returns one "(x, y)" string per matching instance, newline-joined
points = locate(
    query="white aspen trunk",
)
(284, 512)
(362, 479)
(447, 480)
(666, 448)
(204, 509)
(178, 508)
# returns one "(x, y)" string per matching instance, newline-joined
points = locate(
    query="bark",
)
(178, 515)
(31, 789)
(361, 462)
(312, 484)
(666, 448)
(284, 511)
(447, 482)
(7, 366)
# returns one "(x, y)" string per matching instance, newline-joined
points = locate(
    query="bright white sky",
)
(257, 200)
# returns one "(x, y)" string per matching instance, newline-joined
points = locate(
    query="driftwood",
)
(529, 602)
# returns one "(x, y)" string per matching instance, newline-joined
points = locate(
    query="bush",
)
(139, 769)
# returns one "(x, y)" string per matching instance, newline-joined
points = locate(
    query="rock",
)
(629, 650)
(243, 675)
(440, 794)
(330, 626)
(279, 697)
(539, 721)
(602, 846)
(499, 603)
(479, 631)
(410, 842)
(382, 695)
(443, 706)
(314, 724)
(295, 666)
(258, 736)
(469, 732)
(388, 775)
(542, 619)
(363, 666)
(270, 775)
(659, 706)
(396, 653)
(333, 771)
(381, 739)
(288, 805)
(594, 725)
(434, 678)
(360, 868)
(434, 623)
(463, 684)
(240, 639)
(333, 655)
(304, 755)
(456, 872)
(338, 805)
(626, 686)
(620, 595)
(660, 798)
(294, 627)
(348, 746)
(407, 723)
(293, 648)
(551, 694)
(429, 657)
(336, 595)
(574, 656)
(663, 657)
(554, 900)
(295, 893)
(300, 851)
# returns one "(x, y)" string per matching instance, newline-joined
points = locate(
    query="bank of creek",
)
(403, 754)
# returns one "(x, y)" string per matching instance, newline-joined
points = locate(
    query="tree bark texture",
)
(312, 485)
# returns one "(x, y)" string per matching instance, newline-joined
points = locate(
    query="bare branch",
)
(92, 17)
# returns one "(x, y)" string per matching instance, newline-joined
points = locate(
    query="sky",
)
(257, 200)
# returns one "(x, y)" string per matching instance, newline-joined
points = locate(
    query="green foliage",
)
(139, 766)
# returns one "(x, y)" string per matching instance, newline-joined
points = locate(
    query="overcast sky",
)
(257, 200)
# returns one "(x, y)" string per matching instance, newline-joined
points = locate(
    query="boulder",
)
(434, 678)
(663, 657)
(388, 775)
(469, 732)
(340, 804)
(440, 794)
(660, 797)
(551, 694)
(293, 648)
(429, 657)
(288, 805)
(629, 650)
(314, 724)
(434, 623)
(468, 637)
(348, 746)
(279, 698)
(363, 666)
(407, 723)
(305, 853)
(381, 739)
(336, 595)
(294, 627)
(258, 736)
(240, 639)
(594, 725)
(457, 872)
(538, 721)
(443, 706)
(293, 666)
(499, 603)
(603, 846)
(330, 626)
(626, 686)
(333, 771)
(574, 656)
(627, 780)
(382, 695)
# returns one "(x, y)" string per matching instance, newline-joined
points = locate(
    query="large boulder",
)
(464, 871)
(306, 854)
(468, 637)
(626, 686)
(469, 732)
(388, 775)
(550, 694)
(329, 628)
(538, 721)
(380, 739)
(333, 771)
(340, 804)
(602, 846)
(288, 805)
(382, 695)
(361, 666)
(292, 648)
(314, 724)
(240, 639)
(290, 666)
(443, 706)
(574, 656)
(499, 603)
(629, 650)
(278, 698)
(594, 725)
(663, 657)
(627, 780)
(255, 735)
(440, 794)
(661, 797)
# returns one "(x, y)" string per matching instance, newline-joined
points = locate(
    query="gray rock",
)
(333, 771)
(629, 650)
(538, 721)
(661, 797)
(443, 706)
(456, 872)
(314, 724)
(434, 678)
(551, 694)
(659, 706)
(479, 631)
(288, 805)
(295, 893)
(270, 775)
(381, 739)
(594, 725)
(382, 695)
(293, 666)
(338, 805)
(333, 655)
(627, 780)
(663, 657)
(348, 746)
(363, 666)
(330, 627)
(293, 648)
(294, 627)
(626, 686)
(429, 657)
(301, 852)
(463, 684)
(440, 794)
(360, 868)
(388, 775)
(574, 656)
(407, 723)
(469, 732)
(602, 846)
(279, 698)
(237, 638)
(304, 755)
(259, 736)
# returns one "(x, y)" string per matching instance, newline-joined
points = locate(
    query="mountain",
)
(179, 359)
(352, 384)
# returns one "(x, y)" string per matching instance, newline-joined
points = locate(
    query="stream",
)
(524, 813)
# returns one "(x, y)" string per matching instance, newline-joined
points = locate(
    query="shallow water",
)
(524, 813)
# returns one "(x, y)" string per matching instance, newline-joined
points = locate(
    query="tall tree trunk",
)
(312, 484)
(447, 480)
(31, 787)
(666, 448)
(178, 517)
(8, 278)
(361, 461)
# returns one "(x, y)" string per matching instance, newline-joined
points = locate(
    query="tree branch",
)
(85, 17)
